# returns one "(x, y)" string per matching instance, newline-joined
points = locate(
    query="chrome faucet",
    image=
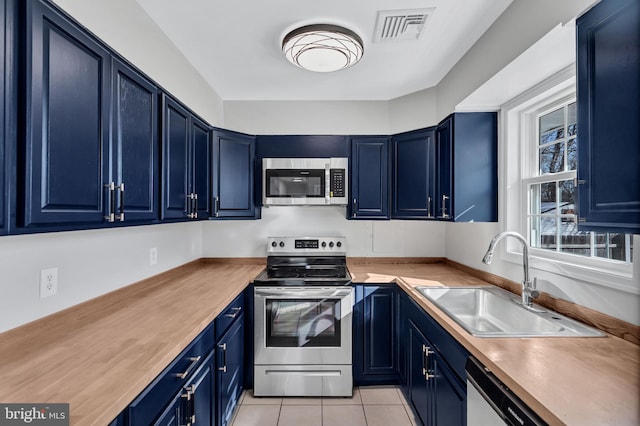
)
(529, 291)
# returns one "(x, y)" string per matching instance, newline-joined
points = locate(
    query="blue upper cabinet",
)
(186, 148)
(135, 144)
(175, 157)
(608, 89)
(467, 177)
(201, 169)
(91, 151)
(5, 134)
(369, 180)
(233, 175)
(413, 181)
(67, 122)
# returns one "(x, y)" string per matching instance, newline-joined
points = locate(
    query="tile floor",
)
(369, 406)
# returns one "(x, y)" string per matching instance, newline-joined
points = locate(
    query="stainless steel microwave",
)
(305, 181)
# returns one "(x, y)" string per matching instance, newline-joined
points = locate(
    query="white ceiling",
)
(236, 45)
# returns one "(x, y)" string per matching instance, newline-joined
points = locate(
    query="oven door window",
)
(297, 323)
(286, 183)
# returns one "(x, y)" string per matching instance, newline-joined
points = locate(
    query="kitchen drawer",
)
(146, 407)
(229, 315)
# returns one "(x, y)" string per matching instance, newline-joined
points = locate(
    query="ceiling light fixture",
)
(322, 47)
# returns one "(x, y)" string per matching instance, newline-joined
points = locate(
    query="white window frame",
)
(517, 142)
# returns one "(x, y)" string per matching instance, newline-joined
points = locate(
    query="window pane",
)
(611, 246)
(574, 241)
(552, 126)
(572, 154)
(548, 232)
(571, 119)
(552, 158)
(548, 204)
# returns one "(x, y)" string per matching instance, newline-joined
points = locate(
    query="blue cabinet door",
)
(369, 178)
(233, 174)
(467, 184)
(608, 89)
(198, 396)
(172, 414)
(413, 182)
(230, 363)
(201, 169)
(135, 143)
(420, 393)
(375, 335)
(4, 131)
(450, 406)
(444, 182)
(175, 159)
(67, 121)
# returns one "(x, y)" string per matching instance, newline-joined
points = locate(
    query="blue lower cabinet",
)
(184, 380)
(434, 377)
(172, 415)
(375, 343)
(418, 389)
(198, 395)
(229, 369)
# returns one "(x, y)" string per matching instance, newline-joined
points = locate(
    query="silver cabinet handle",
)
(224, 357)
(235, 313)
(355, 202)
(444, 207)
(194, 360)
(121, 187)
(429, 206)
(110, 216)
(217, 206)
(426, 351)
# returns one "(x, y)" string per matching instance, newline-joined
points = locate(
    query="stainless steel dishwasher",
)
(491, 403)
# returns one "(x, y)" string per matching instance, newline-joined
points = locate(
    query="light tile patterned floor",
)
(369, 406)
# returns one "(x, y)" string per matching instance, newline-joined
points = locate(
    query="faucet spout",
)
(528, 289)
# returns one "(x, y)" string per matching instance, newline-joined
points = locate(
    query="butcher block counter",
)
(573, 381)
(99, 355)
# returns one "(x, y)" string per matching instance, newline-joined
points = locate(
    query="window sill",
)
(600, 272)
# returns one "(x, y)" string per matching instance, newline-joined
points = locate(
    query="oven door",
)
(303, 325)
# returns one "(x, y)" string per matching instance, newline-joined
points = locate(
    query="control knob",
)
(338, 244)
(274, 244)
(324, 244)
(331, 244)
(281, 243)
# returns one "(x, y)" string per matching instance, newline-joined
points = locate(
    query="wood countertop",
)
(573, 381)
(99, 355)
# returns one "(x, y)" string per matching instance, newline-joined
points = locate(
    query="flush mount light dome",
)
(322, 47)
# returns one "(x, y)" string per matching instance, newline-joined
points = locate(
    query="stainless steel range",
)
(303, 316)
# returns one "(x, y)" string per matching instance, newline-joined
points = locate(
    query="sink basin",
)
(493, 312)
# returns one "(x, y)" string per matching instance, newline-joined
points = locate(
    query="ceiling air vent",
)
(401, 24)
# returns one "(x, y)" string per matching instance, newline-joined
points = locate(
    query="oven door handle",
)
(299, 292)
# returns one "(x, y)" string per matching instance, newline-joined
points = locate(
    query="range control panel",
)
(325, 246)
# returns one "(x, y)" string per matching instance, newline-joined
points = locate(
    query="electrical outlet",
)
(48, 282)
(153, 256)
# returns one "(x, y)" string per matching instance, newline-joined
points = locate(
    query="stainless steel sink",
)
(493, 312)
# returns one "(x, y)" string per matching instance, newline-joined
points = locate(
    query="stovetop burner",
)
(305, 262)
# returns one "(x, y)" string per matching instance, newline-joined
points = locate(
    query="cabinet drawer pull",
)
(194, 360)
(429, 207)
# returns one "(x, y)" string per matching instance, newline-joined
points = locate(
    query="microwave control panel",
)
(336, 182)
